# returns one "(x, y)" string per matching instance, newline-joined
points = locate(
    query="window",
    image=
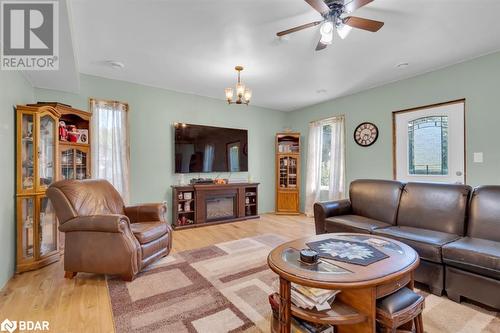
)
(326, 150)
(110, 149)
(428, 146)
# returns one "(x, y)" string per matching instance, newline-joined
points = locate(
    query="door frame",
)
(420, 108)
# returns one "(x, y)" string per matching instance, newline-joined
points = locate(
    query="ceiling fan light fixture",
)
(326, 39)
(326, 28)
(343, 30)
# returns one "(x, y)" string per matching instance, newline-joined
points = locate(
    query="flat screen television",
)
(210, 149)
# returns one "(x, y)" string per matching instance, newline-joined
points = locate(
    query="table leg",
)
(285, 306)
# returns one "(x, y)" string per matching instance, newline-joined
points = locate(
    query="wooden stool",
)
(399, 308)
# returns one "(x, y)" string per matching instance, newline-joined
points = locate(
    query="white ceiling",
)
(193, 45)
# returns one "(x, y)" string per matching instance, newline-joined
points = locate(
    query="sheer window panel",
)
(110, 144)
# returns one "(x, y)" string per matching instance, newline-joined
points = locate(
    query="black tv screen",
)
(210, 149)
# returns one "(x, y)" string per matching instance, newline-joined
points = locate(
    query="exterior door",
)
(430, 143)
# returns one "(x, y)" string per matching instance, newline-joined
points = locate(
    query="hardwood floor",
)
(82, 304)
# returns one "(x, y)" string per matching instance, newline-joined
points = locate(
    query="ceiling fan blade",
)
(355, 4)
(362, 23)
(300, 27)
(320, 46)
(319, 5)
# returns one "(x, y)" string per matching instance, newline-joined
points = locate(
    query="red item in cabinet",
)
(73, 134)
(63, 132)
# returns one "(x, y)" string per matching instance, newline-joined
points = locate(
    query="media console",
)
(200, 205)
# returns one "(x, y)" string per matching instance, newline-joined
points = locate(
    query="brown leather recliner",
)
(102, 235)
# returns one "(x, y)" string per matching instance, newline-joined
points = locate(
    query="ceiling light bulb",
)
(229, 93)
(240, 89)
(343, 30)
(247, 95)
(326, 39)
(326, 28)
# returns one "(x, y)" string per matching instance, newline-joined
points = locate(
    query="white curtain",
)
(110, 144)
(336, 184)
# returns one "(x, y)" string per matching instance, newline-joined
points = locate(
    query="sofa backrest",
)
(376, 199)
(484, 216)
(434, 206)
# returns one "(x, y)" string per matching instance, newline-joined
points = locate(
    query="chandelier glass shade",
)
(243, 94)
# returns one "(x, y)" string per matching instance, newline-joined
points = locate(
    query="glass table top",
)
(328, 266)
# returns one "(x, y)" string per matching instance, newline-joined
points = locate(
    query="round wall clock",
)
(366, 134)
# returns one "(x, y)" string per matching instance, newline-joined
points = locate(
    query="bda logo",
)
(9, 326)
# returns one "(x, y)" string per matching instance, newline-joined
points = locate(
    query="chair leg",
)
(127, 278)
(419, 327)
(69, 275)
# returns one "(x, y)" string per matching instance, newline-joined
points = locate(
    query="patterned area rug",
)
(224, 288)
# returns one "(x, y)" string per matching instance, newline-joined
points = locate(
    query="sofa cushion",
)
(476, 255)
(427, 243)
(484, 220)
(376, 199)
(353, 223)
(146, 232)
(433, 206)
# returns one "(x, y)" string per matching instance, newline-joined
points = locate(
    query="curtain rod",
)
(94, 100)
(326, 118)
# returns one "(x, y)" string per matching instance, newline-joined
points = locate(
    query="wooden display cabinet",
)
(39, 163)
(37, 151)
(288, 173)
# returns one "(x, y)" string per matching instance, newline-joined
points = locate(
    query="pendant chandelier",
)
(243, 94)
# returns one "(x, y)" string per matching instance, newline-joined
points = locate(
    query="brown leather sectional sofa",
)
(455, 229)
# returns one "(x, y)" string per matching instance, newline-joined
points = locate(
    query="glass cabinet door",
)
(47, 229)
(27, 162)
(27, 214)
(292, 172)
(46, 151)
(81, 164)
(283, 164)
(67, 164)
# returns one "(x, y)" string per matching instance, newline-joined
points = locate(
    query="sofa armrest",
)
(324, 210)
(146, 212)
(113, 223)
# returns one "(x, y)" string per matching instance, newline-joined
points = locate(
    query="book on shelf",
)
(299, 325)
(309, 298)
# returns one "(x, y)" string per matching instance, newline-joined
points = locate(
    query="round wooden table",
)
(354, 308)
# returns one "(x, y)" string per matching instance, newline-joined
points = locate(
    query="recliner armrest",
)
(114, 223)
(324, 210)
(146, 212)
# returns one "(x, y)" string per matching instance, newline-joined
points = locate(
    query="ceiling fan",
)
(334, 18)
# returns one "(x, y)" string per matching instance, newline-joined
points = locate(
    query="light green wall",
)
(477, 80)
(14, 89)
(152, 113)
(153, 110)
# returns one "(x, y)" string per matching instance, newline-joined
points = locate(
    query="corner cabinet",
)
(288, 173)
(40, 162)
